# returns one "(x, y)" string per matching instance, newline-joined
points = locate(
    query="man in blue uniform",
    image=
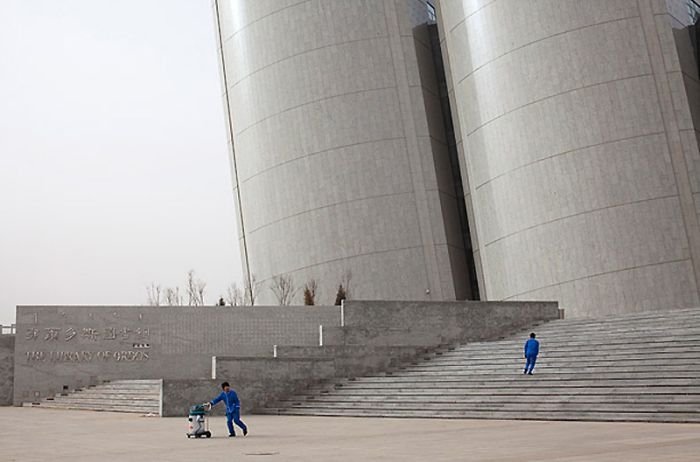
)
(532, 349)
(233, 409)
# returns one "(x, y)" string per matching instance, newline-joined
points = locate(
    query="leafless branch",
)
(251, 289)
(153, 292)
(283, 288)
(234, 295)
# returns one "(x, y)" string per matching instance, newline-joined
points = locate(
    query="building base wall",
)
(7, 368)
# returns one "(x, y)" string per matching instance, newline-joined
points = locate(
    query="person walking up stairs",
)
(532, 349)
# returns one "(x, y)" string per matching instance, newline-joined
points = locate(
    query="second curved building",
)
(581, 149)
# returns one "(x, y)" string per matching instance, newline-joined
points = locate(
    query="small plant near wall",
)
(340, 295)
(310, 292)
(344, 287)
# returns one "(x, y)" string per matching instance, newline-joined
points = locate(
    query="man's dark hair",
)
(532, 335)
(224, 385)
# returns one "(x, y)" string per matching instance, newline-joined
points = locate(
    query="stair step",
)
(567, 343)
(656, 366)
(496, 406)
(641, 367)
(137, 396)
(521, 391)
(117, 402)
(134, 409)
(502, 415)
(565, 359)
(693, 399)
(516, 376)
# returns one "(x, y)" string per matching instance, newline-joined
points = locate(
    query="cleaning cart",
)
(198, 421)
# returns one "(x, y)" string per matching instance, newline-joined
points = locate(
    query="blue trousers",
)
(235, 417)
(530, 363)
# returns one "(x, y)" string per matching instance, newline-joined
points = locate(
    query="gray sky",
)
(113, 163)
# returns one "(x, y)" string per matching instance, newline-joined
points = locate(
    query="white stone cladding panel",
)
(306, 184)
(238, 15)
(367, 270)
(585, 245)
(305, 27)
(502, 26)
(309, 77)
(336, 232)
(585, 57)
(329, 124)
(571, 121)
(621, 292)
(616, 172)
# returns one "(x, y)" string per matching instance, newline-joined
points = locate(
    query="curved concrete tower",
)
(339, 152)
(580, 148)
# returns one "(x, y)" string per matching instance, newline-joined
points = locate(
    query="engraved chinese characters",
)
(48, 334)
(111, 342)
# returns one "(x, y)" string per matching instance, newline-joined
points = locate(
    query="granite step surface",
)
(638, 368)
(135, 396)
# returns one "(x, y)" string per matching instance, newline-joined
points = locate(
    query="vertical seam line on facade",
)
(263, 17)
(233, 147)
(548, 97)
(574, 215)
(692, 245)
(311, 50)
(428, 279)
(309, 103)
(525, 45)
(564, 153)
(591, 276)
(475, 226)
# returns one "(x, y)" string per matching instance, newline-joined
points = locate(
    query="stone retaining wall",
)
(67, 347)
(7, 367)
(377, 336)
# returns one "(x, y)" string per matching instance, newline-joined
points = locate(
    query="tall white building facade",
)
(519, 149)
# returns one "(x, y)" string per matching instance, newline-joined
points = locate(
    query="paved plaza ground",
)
(43, 435)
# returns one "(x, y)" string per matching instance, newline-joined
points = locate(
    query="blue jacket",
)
(532, 348)
(231, 400)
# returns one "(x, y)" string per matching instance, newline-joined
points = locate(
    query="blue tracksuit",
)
(233, 410)
(532, 349)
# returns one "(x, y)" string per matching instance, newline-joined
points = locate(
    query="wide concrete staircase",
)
(643, 367)
(139, 396)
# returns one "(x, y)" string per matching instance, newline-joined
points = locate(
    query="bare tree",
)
(310, 292)
(172, 296)
(283, 288)
(191, 289)
(195, 290)
(234, 295)
(251, 289)
(153, 292)
(200, 285)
